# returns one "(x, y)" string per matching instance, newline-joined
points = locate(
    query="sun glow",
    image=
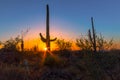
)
(45, 49)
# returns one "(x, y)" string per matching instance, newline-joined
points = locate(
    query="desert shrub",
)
(63, 45)
(11, 72)
(102, 66)
(103, 44)
(84, 43)
(56, 74)
(11, 44)
(53, 62)
(64, 48)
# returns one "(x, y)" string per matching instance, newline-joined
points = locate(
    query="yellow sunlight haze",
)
(45, 49)
(30, 44)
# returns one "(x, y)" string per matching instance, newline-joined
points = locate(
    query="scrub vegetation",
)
(61, 64)
(95, 59)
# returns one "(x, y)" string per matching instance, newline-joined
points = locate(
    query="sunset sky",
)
(68, 18)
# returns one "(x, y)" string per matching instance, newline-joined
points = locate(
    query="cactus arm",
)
(90, 37)
(53, 39)
(42, 38)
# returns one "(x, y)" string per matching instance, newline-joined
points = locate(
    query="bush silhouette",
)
(63, 45)
(11, 44)
(93, 42)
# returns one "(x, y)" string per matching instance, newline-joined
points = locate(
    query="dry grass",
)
(71, 65)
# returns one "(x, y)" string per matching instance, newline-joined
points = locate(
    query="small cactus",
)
(23, 34)
(22, 45)
(47, 40)
(92, 36)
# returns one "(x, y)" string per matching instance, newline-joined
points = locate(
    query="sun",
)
(45, 49)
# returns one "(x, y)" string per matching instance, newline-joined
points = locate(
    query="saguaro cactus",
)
(47, 40)
(92, 38)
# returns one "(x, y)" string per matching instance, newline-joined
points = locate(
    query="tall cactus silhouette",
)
(47, 40)
(92, 36)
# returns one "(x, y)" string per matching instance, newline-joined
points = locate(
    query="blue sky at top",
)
(70, 17)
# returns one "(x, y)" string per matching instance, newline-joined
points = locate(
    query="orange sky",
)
(29, 44)
(32, 38)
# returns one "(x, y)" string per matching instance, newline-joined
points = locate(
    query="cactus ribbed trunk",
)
(47, 40)
(47, 29)
(94, 35)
